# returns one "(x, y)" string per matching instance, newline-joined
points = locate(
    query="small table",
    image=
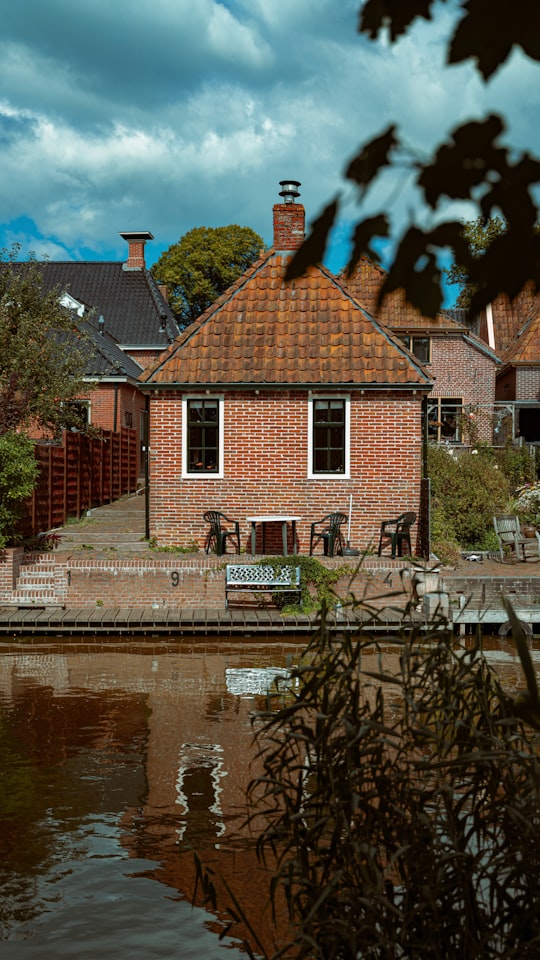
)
(272, 519)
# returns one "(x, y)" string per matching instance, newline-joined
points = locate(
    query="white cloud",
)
(169, 114)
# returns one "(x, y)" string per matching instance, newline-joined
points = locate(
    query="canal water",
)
(118, 762)
(116, 765)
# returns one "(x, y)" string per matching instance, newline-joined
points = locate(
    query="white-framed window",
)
(202, 436)
(329, 453)
(445, 415)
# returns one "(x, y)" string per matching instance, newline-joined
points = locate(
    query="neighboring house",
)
(115, 400)
(284, 399)
(461, 407)
(129, 322)
(512, 328)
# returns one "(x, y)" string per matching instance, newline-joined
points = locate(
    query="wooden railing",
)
(82, 472)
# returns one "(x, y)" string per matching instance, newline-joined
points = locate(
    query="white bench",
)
(254, 577)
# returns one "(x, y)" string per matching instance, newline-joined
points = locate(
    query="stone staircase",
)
(41, 582)
(115, 529)
(109, 531)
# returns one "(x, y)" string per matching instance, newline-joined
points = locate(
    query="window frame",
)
(410, 345)
(346, 473)
(457, 403)
(202, 474)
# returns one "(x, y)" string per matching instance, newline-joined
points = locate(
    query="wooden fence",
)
(81, 472)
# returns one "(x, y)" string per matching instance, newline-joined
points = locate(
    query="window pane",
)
(203, 436)
(328, 436)
(444, 420)
(421, 349)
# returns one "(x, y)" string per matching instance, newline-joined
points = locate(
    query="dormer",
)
(72, 304)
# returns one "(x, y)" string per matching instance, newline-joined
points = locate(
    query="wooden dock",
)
(186, 622)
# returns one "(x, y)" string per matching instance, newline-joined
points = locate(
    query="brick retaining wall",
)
(184, 581)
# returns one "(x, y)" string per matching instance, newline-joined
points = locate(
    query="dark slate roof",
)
(105, 358)
(263, 330)
(136, 313)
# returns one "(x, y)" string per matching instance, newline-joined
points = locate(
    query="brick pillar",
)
(10, 564)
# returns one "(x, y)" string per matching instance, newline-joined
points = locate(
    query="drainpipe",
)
(115, 416)
(424, 438)
(426, 488)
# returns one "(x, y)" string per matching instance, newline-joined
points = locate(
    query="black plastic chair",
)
(330, 533)
(218, 534)
(397, 533)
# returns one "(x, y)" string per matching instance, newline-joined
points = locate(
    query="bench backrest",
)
(254, 573)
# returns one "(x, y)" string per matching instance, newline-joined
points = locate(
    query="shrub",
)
(398, 811)
(316, 580)
(18, 475)
(467, 490)
(527, 504)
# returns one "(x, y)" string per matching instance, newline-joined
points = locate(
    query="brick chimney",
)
(136, 242)
(289, 218)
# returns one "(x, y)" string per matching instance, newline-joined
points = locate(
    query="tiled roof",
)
(525, 346)
(105, 358)
(365, 283)
(135, 312)
(309, 331)
(509, 316)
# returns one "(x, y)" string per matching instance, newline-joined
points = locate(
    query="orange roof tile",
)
(509, 317)
(396, 312)
(309, 331)
(525, 346)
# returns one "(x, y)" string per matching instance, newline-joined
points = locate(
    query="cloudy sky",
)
(164, 115)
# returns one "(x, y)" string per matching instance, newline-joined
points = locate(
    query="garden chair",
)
(219, 533)
(513, 545)
(329, 531)
(397, 533)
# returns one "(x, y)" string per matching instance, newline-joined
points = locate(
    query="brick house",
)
(463, 366)
(128, 321)
(512, 328)
(284, 398)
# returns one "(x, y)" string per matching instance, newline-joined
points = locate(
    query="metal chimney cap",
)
(137, 235)
(289, 191)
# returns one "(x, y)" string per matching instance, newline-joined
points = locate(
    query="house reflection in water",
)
(161, 738)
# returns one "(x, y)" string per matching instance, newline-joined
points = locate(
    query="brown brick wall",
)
(528, 383)
(266, 464)
(112, 410)
(10, 563)
(463, 372)
(183, 581)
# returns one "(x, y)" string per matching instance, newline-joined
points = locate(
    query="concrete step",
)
(105, 537)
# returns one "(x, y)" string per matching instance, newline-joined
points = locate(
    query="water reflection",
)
(116, 765)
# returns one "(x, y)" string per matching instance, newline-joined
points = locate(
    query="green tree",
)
(203, 264)
(472, 166)
(18, 474)
(42, 359)
(42, 352)
(479, 234)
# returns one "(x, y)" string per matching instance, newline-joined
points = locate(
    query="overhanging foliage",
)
(472, 165)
